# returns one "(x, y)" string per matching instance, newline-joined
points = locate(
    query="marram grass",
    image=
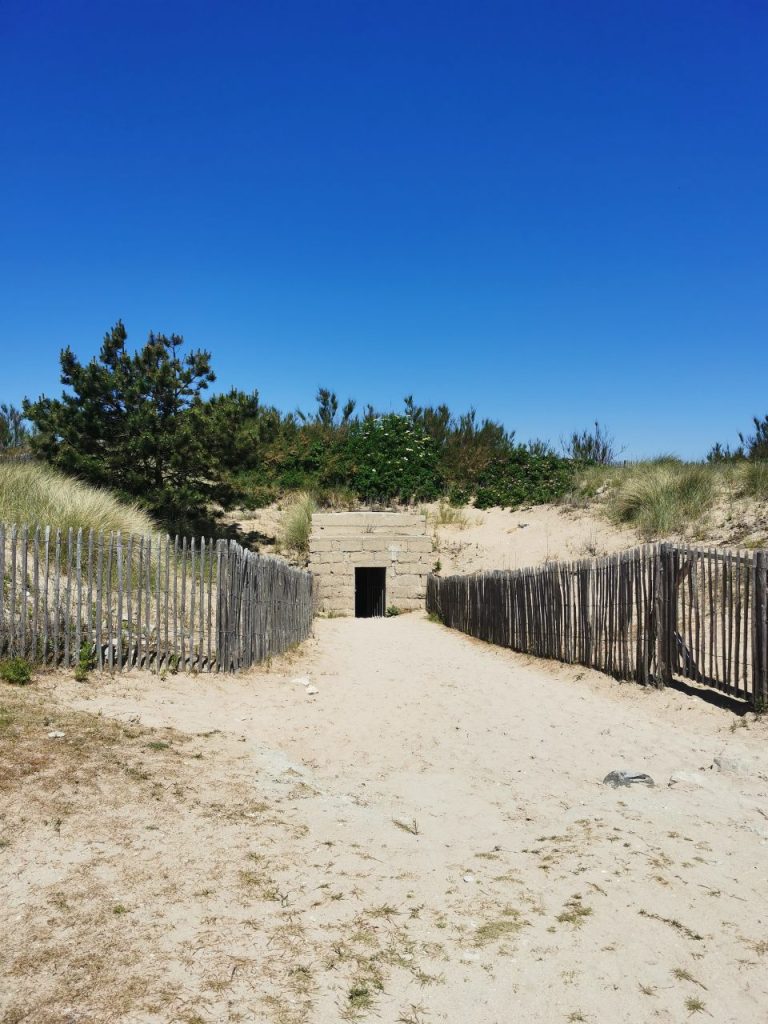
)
(33, 494)
(297, 522)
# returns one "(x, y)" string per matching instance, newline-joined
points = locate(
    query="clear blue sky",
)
(552, 211)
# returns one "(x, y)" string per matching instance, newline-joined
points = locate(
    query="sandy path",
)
(530, 891)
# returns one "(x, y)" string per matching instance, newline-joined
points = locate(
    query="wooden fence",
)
(148, 602)
(649, 615)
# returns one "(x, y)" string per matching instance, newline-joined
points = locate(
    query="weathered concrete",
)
(342, 541)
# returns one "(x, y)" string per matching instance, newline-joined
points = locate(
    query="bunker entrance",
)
(370, 592)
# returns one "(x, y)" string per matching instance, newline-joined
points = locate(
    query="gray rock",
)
(728, 764)
(624, 778)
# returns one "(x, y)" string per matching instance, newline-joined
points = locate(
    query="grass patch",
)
(296, 524)
(663, 497)
(34, 494)
(493, 931)
(755, 479)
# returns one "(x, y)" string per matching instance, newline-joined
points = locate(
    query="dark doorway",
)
(370, 593)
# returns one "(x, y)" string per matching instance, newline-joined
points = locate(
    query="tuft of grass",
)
(297, 522)
(34, 494)
(16, 671)
(755, 479)
(574, 913)
(694, 1005)
(448, 515)
(663, 497)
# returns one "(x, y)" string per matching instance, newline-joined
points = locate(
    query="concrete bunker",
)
(367, 562)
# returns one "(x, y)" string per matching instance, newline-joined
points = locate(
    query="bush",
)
(663, 498)
(391, 457)
(521, 477)
(591, 446)
(297, 523)
(16, 671)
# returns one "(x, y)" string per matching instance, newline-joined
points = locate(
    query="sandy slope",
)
(266, 879)
(503, 539)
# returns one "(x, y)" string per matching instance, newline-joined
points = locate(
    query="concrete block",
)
(419, 544)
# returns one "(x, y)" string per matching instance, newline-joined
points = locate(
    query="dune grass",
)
(36, 495)
(664, 497)
(297, 523)
(755, 479)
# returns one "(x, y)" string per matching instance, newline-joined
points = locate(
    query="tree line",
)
(142, 424)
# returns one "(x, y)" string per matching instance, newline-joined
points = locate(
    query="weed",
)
(694, 1005)
(119, 909)
(647, 990)
(16, 671)
(493, 931)
(673, 923)
(407, 826)
(158, 745)
(393, 610)
(574, 913)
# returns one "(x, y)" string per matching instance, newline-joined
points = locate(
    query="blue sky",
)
(552, 211)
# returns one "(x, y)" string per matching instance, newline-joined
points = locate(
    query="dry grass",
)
(35, 494)
(296, 524)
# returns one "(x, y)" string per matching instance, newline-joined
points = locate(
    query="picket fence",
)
(649, 615)
(148, 602)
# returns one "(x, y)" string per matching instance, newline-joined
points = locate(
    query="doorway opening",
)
(370, 592)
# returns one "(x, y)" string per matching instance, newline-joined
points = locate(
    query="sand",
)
(427, 838)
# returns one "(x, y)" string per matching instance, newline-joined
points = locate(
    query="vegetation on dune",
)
(135, 423)
(34, 494)
(297, 523)
(663, 497)
(141, 425)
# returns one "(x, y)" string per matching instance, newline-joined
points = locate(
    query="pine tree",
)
(135, 423)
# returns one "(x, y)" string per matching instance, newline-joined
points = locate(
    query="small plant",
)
(407, 826)
(694, 1005)
(437, 566)
(297, 523)
(16, 671)
(393, 610)
(85, 662)
(119, 909)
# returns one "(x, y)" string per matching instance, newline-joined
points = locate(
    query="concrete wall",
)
(396, 541)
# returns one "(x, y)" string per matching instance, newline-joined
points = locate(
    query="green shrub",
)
(391, 457)
(85, 662)
(521, 477)
(297, 523)
(663, 498)
(16, 671)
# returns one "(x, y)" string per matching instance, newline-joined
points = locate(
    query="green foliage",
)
(521, 477)
(13, 431)
(16, 671)
(393, 457)
(85, 662)
(137, 424)
(393, 611)
(595, 447)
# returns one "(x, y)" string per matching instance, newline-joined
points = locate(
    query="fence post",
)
(664, 608)
(760, 632)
